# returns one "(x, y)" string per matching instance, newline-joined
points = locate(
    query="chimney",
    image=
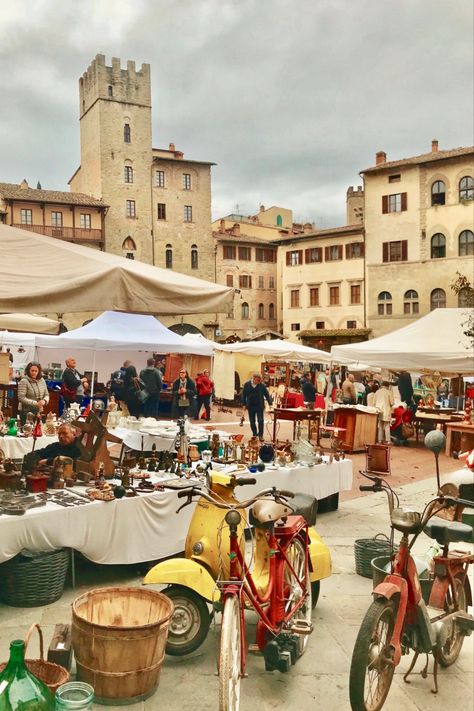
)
(236, 230)
(171, 147)
(434, 146)
(380, 157)
(24, 184)
(179, 155)
(308, 227)
(222, 226)
(262, 208)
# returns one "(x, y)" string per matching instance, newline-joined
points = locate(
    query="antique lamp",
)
(436, 441)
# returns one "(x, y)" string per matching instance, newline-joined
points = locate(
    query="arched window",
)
(128, 245)
(438, 299)
(279, 220)
(271, 312)
(261, 311)
(194, 256)
(110, 91)
(466, 188)
(169, 256)
(127, 135)
(438, 246)
(410, 302)
(384, 305)
(244, 310)
(128, 174)
(465, 298)
(466, 243)
(438, 193)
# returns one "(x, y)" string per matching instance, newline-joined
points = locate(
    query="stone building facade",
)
(159, 202)
(419, 232)
(249, 264)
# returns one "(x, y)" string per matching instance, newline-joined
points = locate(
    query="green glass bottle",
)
(19, 689)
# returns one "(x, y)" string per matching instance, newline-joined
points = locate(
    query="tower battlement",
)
(114, 83)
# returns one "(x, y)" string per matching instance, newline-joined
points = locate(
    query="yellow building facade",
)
(419, 232)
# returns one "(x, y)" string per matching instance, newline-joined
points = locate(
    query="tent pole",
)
(93, 370)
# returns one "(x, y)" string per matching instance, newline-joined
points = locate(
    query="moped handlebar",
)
(242, 481)
(451, 501)
(182, 493)
(364, 487)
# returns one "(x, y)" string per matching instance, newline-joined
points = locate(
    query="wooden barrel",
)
(119, 637)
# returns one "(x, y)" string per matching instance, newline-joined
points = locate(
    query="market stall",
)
(144, 527)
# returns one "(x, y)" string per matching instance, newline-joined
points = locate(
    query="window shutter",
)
(404, 248)
(339, 249)
(250, 282)
(326, 254)
(362, 249)
(384, 204)
(348, 251)
(306, 256)
(385, 252)
(404, 201)
(300, 256)
(288, 259)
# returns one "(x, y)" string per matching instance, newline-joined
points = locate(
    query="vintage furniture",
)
(93, 445)
(377, 458)
(296, 415)
(459, 436)
(360, 427)
(428, 420)
(275, 373)
(9, 400)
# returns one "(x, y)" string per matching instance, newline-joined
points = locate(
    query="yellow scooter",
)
(192, 579)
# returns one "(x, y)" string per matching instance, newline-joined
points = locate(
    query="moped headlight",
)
(233, 517)
(405, 520)
(198, 548)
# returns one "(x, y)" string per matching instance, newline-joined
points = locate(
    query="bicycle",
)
(398, 620)
(283, 605)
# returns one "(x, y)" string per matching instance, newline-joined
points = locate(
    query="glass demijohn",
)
(19, 689)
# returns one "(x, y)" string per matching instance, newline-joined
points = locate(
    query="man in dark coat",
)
(308, 390)
(151, 378)
(254, 394)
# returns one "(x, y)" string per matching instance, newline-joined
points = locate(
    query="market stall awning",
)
(28, 323)
(436, 341)
(279, 349)
(39, 273)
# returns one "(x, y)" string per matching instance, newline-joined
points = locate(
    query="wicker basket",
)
(366, 549)
(53, 675)
(31, 579)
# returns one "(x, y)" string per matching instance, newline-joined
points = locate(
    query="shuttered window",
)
(313, 255)
(294, 258)
(394, 203)
(395, 251)
(333, 253)
(354, 250)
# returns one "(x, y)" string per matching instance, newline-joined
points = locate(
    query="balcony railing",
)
(69, 234)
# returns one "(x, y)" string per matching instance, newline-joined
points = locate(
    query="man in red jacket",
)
(205, 388)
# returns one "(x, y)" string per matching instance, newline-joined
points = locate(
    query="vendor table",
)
(296, 415)
(145, 527)
(17, 447)
(358, 426)
(297, 400)
(466, 432)
(433, 418)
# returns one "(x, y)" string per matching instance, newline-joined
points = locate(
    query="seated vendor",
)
(66, 447)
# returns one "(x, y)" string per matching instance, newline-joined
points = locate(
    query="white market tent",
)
(434, 342)
(29, 323)
(39, 273)
(108, 340)
(246, 356)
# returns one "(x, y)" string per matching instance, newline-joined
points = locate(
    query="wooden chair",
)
(377, 458)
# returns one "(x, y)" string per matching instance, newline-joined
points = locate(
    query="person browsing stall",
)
(308, 390)
(151, 378)
(184, 395)
(205, 388)
(74, 384)
(254, 394)
(32, 391)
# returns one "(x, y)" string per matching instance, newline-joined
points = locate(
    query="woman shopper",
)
(131, 386)
(32, 391)
(205, 388)
(184, 395)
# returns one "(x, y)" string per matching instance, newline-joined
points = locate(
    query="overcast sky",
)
(291, 98)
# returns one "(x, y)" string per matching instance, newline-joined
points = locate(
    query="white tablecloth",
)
(145, 527)
(17, 447)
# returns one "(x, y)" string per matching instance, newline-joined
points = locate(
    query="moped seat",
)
(266, 511)
(448, 531)
(305, 505)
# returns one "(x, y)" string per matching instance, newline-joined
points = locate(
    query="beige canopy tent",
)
(28, 323)
(48, 274)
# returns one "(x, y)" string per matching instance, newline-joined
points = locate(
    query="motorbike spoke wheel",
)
(189, 623)
(372, 666)
(296, 554)
(315, 590)
(230, 660)
(452, 638)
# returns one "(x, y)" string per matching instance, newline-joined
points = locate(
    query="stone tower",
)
(355, 205)
(116, 152)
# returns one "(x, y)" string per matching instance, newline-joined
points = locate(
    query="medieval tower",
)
(159, 202)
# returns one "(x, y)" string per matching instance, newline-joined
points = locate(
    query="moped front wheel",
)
(451, 638)
(293, 582)
(230, 659)
(189, 623)
(372, 665)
